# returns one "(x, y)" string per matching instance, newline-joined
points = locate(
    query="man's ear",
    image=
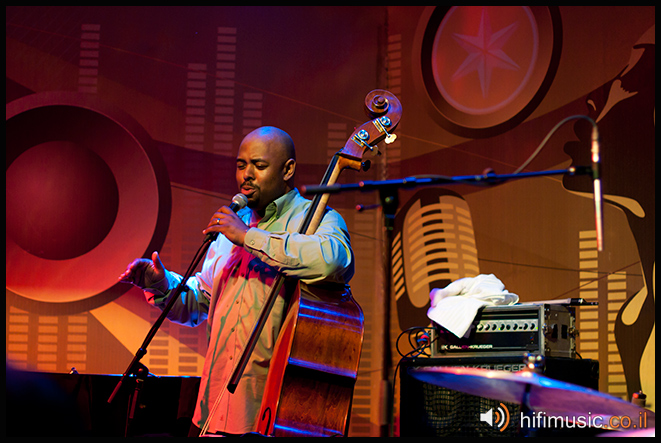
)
(289, 169)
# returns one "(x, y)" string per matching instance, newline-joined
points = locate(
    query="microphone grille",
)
(240, 200)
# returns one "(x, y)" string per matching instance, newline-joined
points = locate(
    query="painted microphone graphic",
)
(433, 245)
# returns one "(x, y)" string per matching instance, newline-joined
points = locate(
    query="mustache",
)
(248, 185)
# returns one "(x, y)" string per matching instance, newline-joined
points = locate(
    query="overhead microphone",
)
(239, 201)
(596, 181)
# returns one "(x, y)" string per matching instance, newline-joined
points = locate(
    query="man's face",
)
(260, 172)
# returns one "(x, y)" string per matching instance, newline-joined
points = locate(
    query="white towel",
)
(455, 306)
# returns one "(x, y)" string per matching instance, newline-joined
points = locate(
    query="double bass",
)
(314, 366)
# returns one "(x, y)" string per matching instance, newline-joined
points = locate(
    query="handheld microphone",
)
(596, 181)
(239, 201)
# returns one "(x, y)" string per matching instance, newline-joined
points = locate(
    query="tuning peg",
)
(382, 123)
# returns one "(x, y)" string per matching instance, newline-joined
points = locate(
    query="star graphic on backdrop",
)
(485, 52)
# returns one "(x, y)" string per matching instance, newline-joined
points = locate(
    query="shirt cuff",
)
(160, 290)
(255, 239)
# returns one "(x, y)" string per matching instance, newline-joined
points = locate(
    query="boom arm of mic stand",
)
(437, 180)
(134, 366)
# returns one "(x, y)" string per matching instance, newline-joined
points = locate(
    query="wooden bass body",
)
(314, 367)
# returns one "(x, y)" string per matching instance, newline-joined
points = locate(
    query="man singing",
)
(254, 245)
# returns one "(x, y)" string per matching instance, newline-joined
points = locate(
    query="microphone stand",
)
(137, 369)
(388, 195)
(386, 187)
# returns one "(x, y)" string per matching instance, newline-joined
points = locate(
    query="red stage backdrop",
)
(122, 124)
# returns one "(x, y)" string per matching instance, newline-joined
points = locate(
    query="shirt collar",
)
(280, 205)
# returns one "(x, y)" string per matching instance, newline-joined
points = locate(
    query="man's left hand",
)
(226, 222)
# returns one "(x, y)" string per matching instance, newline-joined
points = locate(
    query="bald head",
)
(276, 139)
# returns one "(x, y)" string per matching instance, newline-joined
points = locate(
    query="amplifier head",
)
(547, 330)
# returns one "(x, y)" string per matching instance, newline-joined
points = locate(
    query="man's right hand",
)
(146, 274)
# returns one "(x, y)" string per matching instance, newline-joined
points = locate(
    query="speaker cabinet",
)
(428, 410)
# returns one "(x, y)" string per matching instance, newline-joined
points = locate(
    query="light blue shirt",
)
(231, 289)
